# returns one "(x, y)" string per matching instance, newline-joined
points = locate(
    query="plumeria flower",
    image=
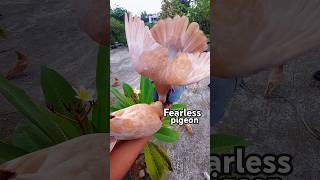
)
(84, 94)
(136, 91)
(170, 54)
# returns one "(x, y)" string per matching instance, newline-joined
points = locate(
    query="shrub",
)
(117, 31)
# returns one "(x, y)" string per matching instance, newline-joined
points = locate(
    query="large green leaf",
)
(158, 163)
(58, 92)
(101, 110)
(68, 128)
(146, 90)
(220, 143)
(167, 135)
(117, 106)
(164, 156)
(178, 106)
(38, 115)
(9, 152)
(127, 89)
(30, 138)
(166, 121)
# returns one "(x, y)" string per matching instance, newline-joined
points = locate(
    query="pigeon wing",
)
(188, 68)
(139, 39)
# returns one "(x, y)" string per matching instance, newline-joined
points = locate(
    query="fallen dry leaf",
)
(18, 69)
(116, 82)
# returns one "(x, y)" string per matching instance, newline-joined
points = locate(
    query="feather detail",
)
(153, 63)
(168, 32)
(188, 68)
(176, 34)
(139, 38)
(137, 121)
(194, 39)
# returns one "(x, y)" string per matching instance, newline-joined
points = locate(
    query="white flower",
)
(136, 91)
(84, 94)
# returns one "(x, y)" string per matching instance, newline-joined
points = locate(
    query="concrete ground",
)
(275, 125)
(48, 32)
(190, 155)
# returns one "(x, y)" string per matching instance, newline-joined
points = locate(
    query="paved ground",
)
(47, 30)
(275, 126)
(190, 155)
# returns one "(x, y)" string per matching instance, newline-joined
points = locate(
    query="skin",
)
(123, 156)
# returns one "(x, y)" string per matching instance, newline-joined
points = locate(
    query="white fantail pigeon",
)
(170, 54)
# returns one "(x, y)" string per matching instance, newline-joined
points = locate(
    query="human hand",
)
(123, 156)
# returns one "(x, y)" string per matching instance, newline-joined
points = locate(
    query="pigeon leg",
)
(274, 80)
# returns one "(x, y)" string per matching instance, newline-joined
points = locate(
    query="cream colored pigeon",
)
(136, 121)
(170, 54)
(82, 158)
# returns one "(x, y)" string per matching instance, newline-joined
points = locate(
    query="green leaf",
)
(38, 115)
(158, 163)
(128, 91)
(117, 106)
(220, 143)
(178, 106)
(166, 121)
(101, 109)
(146, 90)
(30, 138)
(121, 98)
(9, 152)
(164, 156)
(167, 135)
(58, 92)
(68, 128)
(113, 109)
